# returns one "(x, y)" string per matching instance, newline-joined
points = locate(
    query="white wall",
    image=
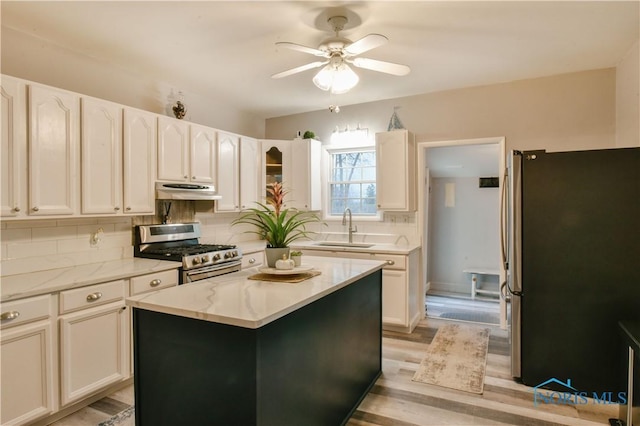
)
(40, 61)
(465, 235)
(627, 99)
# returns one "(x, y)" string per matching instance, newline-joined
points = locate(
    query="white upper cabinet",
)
(101, 151)
(139, 161)
(203, 154)
(250, 178)
(305, 174)
(186, 152)
(395, 171)
(13, 93)
(53, 151)
(228, 172)
(173, 150)
(238, 172)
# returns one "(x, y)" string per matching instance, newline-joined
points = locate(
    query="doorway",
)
(459, 220)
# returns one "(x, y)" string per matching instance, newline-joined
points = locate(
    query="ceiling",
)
(226, 49)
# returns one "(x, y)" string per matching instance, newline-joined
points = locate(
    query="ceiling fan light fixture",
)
(336, 78)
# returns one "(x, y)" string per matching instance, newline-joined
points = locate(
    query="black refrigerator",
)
(572, 256)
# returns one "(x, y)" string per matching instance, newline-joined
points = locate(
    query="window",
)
(352, 182)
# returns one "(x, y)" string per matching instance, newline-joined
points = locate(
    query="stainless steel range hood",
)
(185, 191)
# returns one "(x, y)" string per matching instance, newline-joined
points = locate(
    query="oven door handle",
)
(212, 271)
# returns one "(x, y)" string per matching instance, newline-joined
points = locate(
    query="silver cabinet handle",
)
(35, 209)
(17, 209)
(116, 208)
(94, 296)
(128, 208)
(155, 283)
(252, 260)
(193, 177)
(9, 315)
(186, 177)
(391, 262)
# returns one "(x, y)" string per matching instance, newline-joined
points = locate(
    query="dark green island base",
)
(312, 366)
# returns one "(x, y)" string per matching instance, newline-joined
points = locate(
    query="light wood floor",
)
(397, 401)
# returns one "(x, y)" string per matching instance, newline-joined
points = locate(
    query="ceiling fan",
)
(338, 52)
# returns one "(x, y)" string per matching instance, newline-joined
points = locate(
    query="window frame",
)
(329, 152)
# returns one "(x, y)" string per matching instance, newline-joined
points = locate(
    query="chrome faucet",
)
(352, 229)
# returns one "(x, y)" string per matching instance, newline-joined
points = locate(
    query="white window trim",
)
(326, 165)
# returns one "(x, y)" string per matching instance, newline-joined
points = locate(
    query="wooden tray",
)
(293, 278)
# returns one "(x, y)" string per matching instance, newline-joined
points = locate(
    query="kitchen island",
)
(232, 350)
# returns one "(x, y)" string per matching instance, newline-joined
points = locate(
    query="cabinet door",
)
(250, 178)
(228, 172)
(53, 151)
(101, 153)
(94, 350)
(203, 154)
(173, 150)
(395, 171)
(13, 93)
(276, 160)
(139, 161)
(394, 297)
(26, 355)
(305, 174)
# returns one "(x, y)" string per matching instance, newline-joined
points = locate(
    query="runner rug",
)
(456, 358)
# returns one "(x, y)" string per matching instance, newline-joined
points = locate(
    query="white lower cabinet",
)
(27, 361)
(400, 301)
(249, 260)
(94, 340)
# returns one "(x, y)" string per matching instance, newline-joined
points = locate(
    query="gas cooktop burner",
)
(188, 250)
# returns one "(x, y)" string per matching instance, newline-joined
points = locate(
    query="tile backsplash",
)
(37, 245)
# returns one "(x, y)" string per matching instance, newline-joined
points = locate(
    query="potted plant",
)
(296, 256)
(277, 225)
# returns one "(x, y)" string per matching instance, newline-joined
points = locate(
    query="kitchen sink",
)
(342, 244)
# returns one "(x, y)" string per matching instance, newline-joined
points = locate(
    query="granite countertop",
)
(53, 280)
(402, 249)
(235, 299)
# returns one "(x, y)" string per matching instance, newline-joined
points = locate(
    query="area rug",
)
(456, 358)
(124, 418)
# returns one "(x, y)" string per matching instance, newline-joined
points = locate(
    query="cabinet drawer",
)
(252, 259)
(155, 281)
(85, 297)
(393, 261)
(25, 310)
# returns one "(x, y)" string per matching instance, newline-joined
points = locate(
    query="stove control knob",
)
(196, 260)
(235, 253)
(228, 255)
(205, 259)
(216, 257)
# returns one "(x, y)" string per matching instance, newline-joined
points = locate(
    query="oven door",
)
(210, 271)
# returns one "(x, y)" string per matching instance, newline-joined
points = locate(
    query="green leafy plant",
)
(277, 225)
(309, 135)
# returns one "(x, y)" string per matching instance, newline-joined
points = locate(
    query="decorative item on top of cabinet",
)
(14, 148)
(26, 351)
(395, 171)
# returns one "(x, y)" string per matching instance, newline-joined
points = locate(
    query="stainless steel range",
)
(180, 243)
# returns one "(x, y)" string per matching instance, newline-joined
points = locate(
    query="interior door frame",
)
(423, 202)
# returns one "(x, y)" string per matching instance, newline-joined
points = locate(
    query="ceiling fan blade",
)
(299, 69)
(381, 66)
(366, 43)
(301, 48)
